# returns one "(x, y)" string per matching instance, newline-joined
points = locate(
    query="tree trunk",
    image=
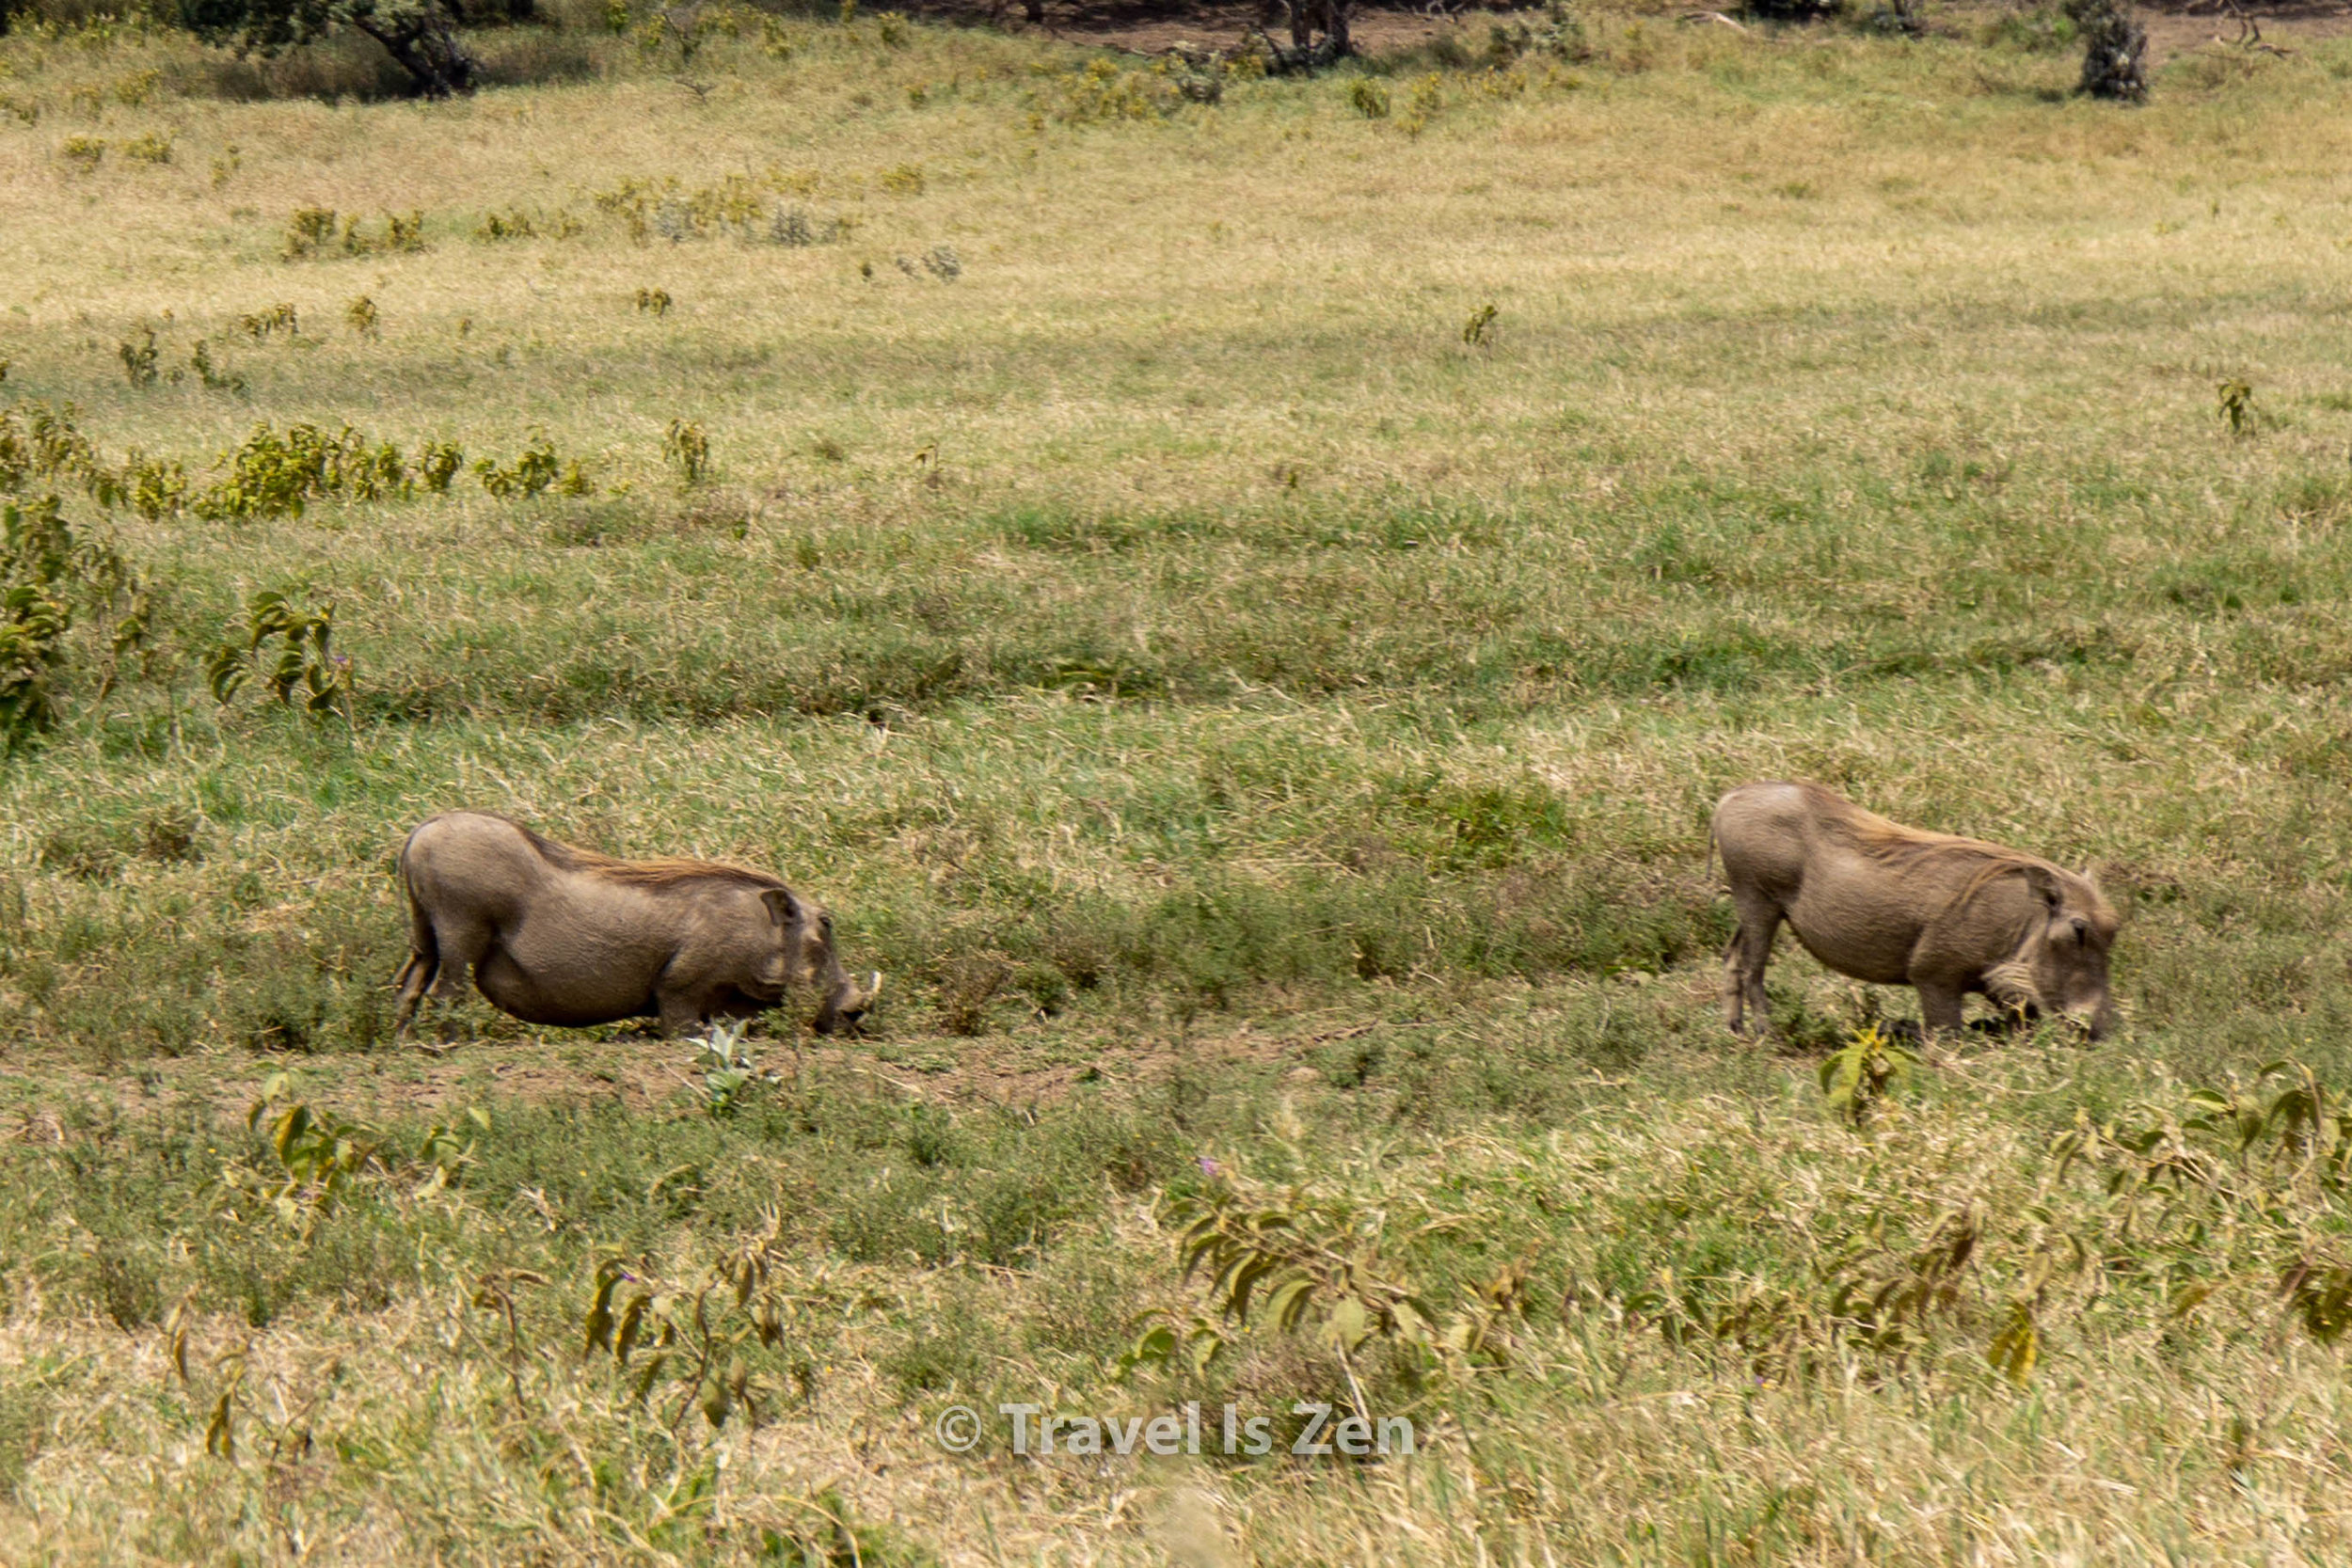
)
(426, 48)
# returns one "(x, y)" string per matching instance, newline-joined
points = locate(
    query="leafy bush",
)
(534, 470)
(305, 664)
(47, 573)
(270, 475)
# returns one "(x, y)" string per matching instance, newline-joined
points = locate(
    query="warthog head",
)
(804, 956)
(2061, 967)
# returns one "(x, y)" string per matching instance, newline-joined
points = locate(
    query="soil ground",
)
(1153, 29)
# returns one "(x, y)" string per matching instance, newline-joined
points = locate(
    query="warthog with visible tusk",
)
(560, 935)
(1898, 906)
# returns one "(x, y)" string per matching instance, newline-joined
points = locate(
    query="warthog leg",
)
(410, 982)
(1939, 1005)
(441, 959)
(682, 1012)
(1751, 949)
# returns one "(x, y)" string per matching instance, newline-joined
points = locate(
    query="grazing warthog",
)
(1897, 906)
(554, 934)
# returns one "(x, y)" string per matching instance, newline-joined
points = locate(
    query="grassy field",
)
(1242, 608)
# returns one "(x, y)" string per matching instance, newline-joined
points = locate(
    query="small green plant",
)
(1103, 92)
(139, 359)
(1369, 98)
(697, 1334)
(903, 180)
(685, 30)
(575, 480)
(304, 667)
(533, 471)
(686, 448)
(225, 166)
(437, 463)
(46, 569)
(362, 315)
(2236, 405)
(1559, 34)
(259, 325)
(1857, 1079)
(653, 302)
(39, 442)
(307, 231)
(514, 224)
(729, 1070)
(152, 488)
(372, 474)
(320, 1157)
(270, 475)
(1476, 332)
(891, 28)
(214, 377)
(82, 152)
(616, 18)
(1307, 1260)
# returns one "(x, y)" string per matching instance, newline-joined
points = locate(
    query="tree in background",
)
(1306, 52)
(421, 35)
(2115, 50)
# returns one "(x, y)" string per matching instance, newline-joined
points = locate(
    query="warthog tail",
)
(424, 965)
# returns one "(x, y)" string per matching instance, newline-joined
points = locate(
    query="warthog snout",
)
(849, 1005)
(2103, 1019)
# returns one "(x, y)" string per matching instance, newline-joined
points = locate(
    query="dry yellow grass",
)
(1848, 410)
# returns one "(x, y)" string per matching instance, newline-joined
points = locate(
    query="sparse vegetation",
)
(1252, 662)
(688, 450)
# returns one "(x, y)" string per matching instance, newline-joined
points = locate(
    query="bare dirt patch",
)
(2275, 30)
(1153, 29)
(1144, 28)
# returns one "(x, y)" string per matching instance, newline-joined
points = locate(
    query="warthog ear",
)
(2045, 887)
(781, 905)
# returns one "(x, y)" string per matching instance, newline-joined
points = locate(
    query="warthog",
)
(1897, 906)
(555, 934)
